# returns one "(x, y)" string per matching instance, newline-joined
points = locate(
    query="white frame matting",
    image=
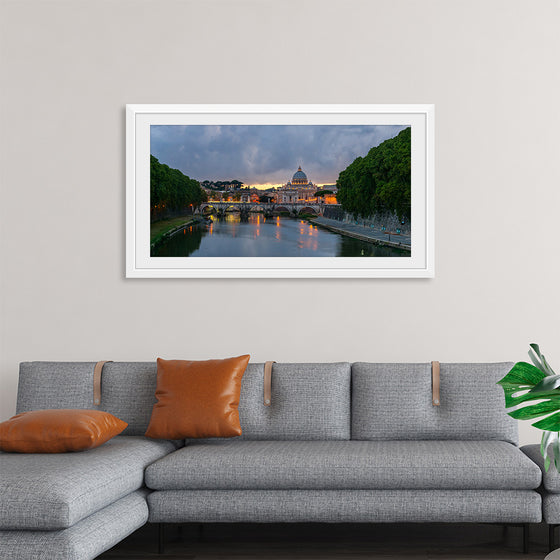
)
(139, 263)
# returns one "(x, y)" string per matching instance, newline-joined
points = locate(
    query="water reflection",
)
(259, 237)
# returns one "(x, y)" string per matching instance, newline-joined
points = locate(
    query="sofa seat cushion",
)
(346, 506)
(321, 465)
(550, 478)
(85, 540)
(54, 491)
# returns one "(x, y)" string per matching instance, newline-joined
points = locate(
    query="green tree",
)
(171, 190)
(380, 181)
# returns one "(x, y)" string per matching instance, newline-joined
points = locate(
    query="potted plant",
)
(526, 383)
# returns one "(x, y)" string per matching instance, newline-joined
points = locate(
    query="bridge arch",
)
(308, 210)
(208, 209)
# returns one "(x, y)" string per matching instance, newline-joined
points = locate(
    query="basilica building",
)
(299, 189)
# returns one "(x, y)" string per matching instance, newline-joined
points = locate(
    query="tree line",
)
(171, 190)
(379, 181)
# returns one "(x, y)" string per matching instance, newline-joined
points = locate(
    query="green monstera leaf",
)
(526, 383)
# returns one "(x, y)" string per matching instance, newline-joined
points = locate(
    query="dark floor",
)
(340, 542)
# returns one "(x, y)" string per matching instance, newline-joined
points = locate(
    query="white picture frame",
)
(139, 263)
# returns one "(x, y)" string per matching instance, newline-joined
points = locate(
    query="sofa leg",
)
(161, 538)
(551, 544)
(525, 538)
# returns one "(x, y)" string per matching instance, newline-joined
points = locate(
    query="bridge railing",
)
(266, 204)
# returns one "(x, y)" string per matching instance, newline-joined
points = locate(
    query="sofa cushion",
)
(54, 491)
(197, 399)
(40, 385)
(394, 401)
(58, 430)
(350, 506)
(344, 465)
(550, 478)
(309, 402)
(551, 508)
(85, 540)
(127, 389)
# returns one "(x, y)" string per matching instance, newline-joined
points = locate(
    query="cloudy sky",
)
(261, 155)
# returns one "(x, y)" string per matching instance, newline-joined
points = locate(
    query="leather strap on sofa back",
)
(268, 383)
(97, 371)
(435, 384)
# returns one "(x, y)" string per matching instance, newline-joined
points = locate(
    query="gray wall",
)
(68, 68)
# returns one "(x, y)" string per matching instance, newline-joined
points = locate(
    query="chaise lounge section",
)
(77, 505)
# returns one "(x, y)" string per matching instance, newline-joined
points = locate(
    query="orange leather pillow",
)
(197, 399)
(58, 431)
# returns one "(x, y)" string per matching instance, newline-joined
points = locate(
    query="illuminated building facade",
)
(299, 189)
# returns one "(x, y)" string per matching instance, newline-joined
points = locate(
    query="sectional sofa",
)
(340, 442)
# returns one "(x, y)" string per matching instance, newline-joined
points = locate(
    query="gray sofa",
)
(340, 443)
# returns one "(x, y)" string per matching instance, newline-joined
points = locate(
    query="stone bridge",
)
(271, 207)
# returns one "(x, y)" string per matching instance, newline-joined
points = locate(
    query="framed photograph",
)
(279, 191)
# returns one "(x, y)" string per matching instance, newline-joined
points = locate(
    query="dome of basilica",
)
(299, 178)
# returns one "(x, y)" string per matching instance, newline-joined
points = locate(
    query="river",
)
(265, 237)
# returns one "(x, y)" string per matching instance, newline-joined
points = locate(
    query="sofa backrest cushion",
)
(45, 385)
(127, 389)
(394, 402)
(309, 401)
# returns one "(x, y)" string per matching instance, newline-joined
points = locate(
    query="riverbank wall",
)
(363, 233)
(383, 221)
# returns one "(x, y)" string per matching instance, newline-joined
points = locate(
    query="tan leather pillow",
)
(197, 399)
(58, 431)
